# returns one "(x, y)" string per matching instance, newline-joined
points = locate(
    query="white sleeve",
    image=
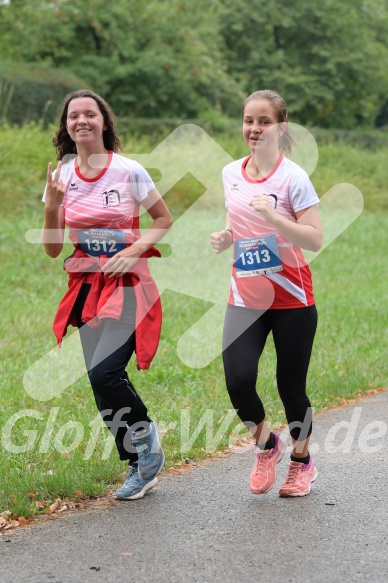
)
(302, 193)
(142, 181)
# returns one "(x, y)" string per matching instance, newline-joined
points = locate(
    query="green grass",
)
(349, 355)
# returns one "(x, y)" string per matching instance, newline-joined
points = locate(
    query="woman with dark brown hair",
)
(111, 295)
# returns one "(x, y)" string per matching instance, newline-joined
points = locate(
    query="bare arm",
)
(54, 215)
(122, 262)
(306, 232)
(162, 221)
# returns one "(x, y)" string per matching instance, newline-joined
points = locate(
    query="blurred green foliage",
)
(326, 58)
(30, 92)
(183, 59)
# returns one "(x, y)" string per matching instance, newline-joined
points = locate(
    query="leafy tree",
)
(327, 58)
(32, 93)
(170, 58)
(155, 58)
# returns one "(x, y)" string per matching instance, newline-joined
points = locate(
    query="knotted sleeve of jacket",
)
(106, 297)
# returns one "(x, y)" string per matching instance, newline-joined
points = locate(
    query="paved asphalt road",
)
(205, 525)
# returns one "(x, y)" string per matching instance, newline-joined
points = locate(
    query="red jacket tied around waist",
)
(105, 300)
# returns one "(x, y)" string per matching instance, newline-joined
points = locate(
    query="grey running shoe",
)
(134, 487)
(150, 454)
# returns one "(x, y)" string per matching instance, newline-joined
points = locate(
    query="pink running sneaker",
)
(298, 479)
(263, 475)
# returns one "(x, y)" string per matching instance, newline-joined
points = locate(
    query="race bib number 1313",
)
(257, 256)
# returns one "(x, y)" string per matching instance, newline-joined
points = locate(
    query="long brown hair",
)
(62, 141)
(286, 141)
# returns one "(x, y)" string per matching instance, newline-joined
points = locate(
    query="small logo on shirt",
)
(110, 198)
(73, 186)
(235, 187)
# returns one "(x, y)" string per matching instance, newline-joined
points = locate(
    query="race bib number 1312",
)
(97, 242)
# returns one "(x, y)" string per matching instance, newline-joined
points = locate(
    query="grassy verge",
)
(56, 448)
(349, 358)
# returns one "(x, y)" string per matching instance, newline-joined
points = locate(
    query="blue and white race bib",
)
(257, 256)
(96, 242)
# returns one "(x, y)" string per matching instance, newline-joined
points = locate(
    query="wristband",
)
(230, 231)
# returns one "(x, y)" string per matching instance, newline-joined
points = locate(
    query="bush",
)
(212, 121)
(369, 140)
(32, 92)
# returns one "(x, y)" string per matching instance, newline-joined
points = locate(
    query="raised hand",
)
(262, 204)
(55, 189)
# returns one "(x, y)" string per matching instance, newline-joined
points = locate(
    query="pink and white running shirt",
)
(290, 184)
(110, 200)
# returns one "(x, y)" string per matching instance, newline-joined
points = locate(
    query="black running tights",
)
(107, 350)
(245, 334)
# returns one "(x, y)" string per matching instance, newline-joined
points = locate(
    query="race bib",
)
(257, 256)
(96, 242)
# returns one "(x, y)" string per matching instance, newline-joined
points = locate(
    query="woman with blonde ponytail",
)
(272, 213)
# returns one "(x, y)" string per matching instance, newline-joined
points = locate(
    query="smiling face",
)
(261, 128)
(85, 122)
